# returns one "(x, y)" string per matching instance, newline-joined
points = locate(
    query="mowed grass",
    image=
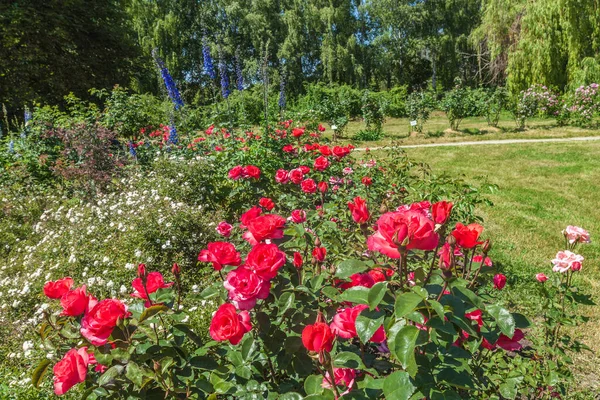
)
(542, 188)
(436, 130)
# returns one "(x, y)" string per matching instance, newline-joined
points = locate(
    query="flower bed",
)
(334, 276)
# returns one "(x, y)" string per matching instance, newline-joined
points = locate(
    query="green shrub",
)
(418, 107)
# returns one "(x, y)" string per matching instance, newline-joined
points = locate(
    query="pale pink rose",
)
(541, 277)
(576, 234)
(347, 171)
(342, 377)
(565, 260)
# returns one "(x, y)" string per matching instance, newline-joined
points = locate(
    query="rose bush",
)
(367, 282)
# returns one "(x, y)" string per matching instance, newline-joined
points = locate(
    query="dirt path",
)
(489, 142)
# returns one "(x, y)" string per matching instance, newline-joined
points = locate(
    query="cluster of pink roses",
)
(567, 261)
(250, 281)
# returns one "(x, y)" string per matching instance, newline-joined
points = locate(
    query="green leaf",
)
(509, 389)
(376, 294)
(403, 348)
(134, 373)
(347, 268)
(290, 396)
(358, 295)
(398, 386)
(152, 311)
(445, 395)
(503, 318)
(457, 379)
(347, 359)
(331, 292)
(110, 374)
(367, 323)
(39, 372)
(190, 333)
(248, 347)
(437, 307)
(312, 384)
(286, 300)
(406, 303)
(204, 362)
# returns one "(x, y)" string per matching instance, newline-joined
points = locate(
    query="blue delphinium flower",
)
(132, 149)
(282, 92)
(224, 79)
(173, 138)
(11, 146)
(238, 74)
(208, 63)
(169, 82)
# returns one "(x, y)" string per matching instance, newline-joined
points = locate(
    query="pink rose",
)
(541, 277)
(245, 288)
(220, 254)
(410, 228)
(98, 323)
(265, 260)
(71, 370)
(575, 234)
(565, 260)
(344, 324)
(499, 281)
(341, 377)
(321, 163)
(224, 229)
(281, 176)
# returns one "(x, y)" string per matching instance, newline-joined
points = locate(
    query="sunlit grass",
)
(436, 130)
(543, 187)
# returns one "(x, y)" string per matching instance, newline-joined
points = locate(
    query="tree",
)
(51, 48)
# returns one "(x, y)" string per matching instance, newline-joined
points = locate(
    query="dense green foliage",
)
(47, 50)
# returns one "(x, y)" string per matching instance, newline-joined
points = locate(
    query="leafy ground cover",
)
(540, 188)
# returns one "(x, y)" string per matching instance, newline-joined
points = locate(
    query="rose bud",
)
(499, 281)
(541, 277)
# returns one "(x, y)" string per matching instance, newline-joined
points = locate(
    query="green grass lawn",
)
(543, 187)
(436, 130)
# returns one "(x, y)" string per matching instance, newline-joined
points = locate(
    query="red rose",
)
(409, 228)
(75, 302)
(344, 324)
(499, 281)
(71, 370)
(323, 186)
(281, 176)
(440, 212)
(269, 226)
(298, 216)
(288, 148)
(297, 132)
(265, 260)
(308, 186)
(56, 289)
(296, 176)
(366, 181)
(365, 280)
(154, 281)
(220, 254)
(317, 337)
(358, 208)
(98, 323)
(466, 236)
(235, 173)
(321, 163)
(245, 288)
(227, 324)
(250, 215)
(305, 170)
(511, 344)
(266, 203)
(377, 274)
(224, 229)
(319, 253)
(340, 152)
(298, 260)
(321, 128)
(325, 150)
(250, 171)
